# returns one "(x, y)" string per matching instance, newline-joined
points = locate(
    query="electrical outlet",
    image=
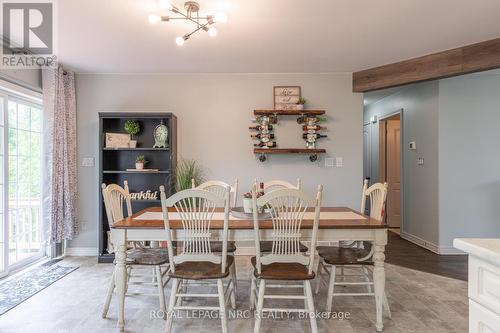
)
(420, 161)
(339, 162)
(329, 162)
(88, 162)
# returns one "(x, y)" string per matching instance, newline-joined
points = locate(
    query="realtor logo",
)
(28, 34)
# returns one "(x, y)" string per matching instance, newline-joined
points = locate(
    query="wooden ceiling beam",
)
(463, 60)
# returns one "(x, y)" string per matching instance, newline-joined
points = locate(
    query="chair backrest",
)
(195, 208)
(287, 208)
(115, 197)
(277, 184)
(378, 195)
(219, 188)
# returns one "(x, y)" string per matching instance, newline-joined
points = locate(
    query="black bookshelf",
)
(113, 163)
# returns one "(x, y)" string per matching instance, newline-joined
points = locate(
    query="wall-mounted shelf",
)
(289, 112)
(313, 153)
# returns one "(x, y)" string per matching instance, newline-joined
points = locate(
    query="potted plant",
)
(132, 127)
(300, 103)
(185, 172)
(247, 201)
(140, 161)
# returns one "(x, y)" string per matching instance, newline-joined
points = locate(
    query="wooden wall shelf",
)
(288, 112)
(313, 153)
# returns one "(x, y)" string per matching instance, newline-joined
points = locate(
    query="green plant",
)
(132, 127)
(187, 170)
(302, 100)
(141, 159)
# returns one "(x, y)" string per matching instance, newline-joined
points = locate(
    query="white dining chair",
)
(285, 262)
(357, 256)
(116, 199)
(218, 187)
(195, 259)
(277, 184)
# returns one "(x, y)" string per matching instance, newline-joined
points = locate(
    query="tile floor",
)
(420, 302)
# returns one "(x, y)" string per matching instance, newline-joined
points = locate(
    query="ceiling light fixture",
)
(192, 9)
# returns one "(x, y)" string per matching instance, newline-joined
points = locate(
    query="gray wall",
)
(214, 114)
(469, 161)
(420, 183)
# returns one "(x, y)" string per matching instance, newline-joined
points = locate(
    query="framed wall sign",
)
(286, 97)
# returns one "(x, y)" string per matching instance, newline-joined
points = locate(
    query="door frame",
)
(382, 156)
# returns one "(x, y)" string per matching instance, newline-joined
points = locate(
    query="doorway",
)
(390, 166)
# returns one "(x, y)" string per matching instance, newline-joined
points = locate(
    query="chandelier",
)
(192, 9)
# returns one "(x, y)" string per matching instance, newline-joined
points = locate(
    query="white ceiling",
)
(269, 36)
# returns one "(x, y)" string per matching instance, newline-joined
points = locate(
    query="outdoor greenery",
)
(187, 170)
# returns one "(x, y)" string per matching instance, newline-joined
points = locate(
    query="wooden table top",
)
(366, 223)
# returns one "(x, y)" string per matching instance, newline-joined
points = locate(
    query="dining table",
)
(335, 224)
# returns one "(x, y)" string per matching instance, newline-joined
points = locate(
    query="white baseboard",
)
(81, 251)
(443, 250)
(420, 242)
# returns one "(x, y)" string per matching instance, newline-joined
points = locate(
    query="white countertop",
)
(483, 248)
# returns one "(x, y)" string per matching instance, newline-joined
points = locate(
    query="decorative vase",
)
(132, 144)
(247, 205)
(139, 165)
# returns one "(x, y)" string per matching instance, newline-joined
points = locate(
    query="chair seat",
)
(201, 270)
(334, 255)
(267, 246)
(282, 271)
(147, 256)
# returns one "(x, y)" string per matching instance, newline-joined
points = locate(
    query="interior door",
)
(393, 171)
(367, 151)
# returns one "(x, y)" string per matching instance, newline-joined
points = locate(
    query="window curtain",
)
(59, 194)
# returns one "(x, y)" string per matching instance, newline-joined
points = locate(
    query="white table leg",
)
(119, 240)
(379, 274)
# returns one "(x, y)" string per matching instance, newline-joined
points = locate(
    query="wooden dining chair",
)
(195, 259)
(285, 261)
(219, 187)
(116, 199)
(357, 254)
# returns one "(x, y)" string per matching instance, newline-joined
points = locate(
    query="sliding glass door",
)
(20, 182)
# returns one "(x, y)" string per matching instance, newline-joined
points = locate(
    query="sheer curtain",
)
(59, 191)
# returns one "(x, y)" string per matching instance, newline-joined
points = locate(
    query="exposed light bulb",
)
(164, 4)
(154, 18)
(212, 32)
(179, 41)
(220, 18)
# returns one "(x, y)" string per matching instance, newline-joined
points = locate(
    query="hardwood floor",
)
(403, 253)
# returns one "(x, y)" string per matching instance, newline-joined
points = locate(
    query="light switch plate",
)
(339, 162)
(88, 162)
(420, 161)
(329, 162)
(413, 145)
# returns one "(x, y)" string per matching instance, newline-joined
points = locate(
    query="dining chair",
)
(218, 187)
(116, 199)
(356, 256)
(285, 261)
(270, 185)
(195, 259)
(276, 184)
